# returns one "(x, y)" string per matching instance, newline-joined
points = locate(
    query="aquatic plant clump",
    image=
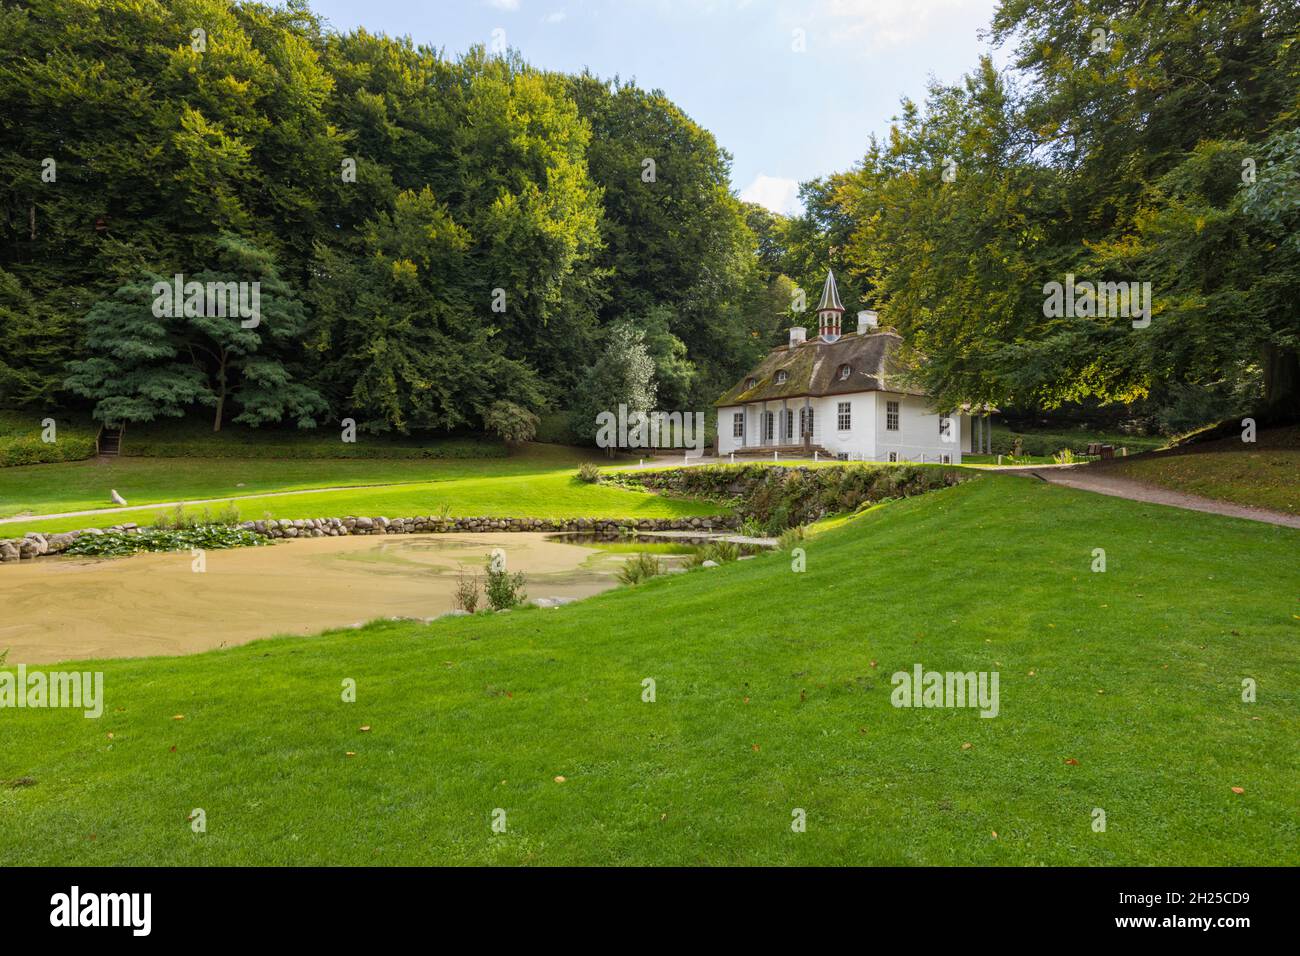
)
(121, 543)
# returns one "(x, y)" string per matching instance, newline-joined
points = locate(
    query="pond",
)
(72, 608)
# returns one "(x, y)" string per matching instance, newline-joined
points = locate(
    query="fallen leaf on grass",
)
(349, 753)
(755, 748)
(559, 780)
(966, 746)
(1071, 761)
(364, 728)
(1238, 790)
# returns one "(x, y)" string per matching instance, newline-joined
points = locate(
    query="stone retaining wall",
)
(35, 545)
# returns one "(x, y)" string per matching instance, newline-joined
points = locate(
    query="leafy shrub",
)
(512, 423)
(504, 590)
(1064, 457)
(639, 568)
(589, 472)
(119, 543)
(30, 450)
(777, 497)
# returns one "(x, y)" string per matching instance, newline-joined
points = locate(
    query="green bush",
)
(640, 567)
(32, 451)
(21, 439)
(771, 498)
(589, 473)
(504, 590)
(453, 448)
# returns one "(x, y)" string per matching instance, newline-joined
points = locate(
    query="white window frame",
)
(738, 425)
(781, 377)
(947, 459)
(945, 426)
(892, 416)
(892, 458)
(844, 416)
(845, 372)
(769, 426)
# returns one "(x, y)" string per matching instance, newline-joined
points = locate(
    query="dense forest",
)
(457, 242)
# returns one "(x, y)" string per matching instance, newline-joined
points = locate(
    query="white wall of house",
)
(868, 435)
(918, 436)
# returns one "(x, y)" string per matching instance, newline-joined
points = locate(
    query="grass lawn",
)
(555, 494)
(82, 485)
(773, 693)
(1265, 474)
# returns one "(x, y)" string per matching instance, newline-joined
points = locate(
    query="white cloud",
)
(879, 24)
(503, 4)
(556, 17)
(774, 193)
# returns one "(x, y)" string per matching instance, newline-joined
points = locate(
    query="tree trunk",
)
(221, 394)
(1281, 383)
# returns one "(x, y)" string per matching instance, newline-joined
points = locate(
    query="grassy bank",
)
(1119, 690)
(1263, 474)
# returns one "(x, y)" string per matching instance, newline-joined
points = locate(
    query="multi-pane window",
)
(738, 425)
(891, 416)
(769, 421)
(781, 377)
(893, 456)
(844, 416)
(945, 428)
(789, 423)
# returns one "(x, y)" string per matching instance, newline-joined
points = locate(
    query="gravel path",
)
(1101, 481)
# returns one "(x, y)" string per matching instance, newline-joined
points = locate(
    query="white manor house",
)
(837, 396)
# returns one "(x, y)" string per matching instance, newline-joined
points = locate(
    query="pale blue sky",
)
(785, 116)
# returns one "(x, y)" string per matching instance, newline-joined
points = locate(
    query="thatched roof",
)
(813, 369)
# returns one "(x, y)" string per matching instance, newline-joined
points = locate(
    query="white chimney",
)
(867, 321)
(798, 335)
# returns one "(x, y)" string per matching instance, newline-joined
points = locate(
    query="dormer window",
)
(781, 377)
(845, 372)
(750, 383)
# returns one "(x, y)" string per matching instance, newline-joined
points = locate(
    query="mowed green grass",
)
(538, 481)
(1118, 690)
(82, 485)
